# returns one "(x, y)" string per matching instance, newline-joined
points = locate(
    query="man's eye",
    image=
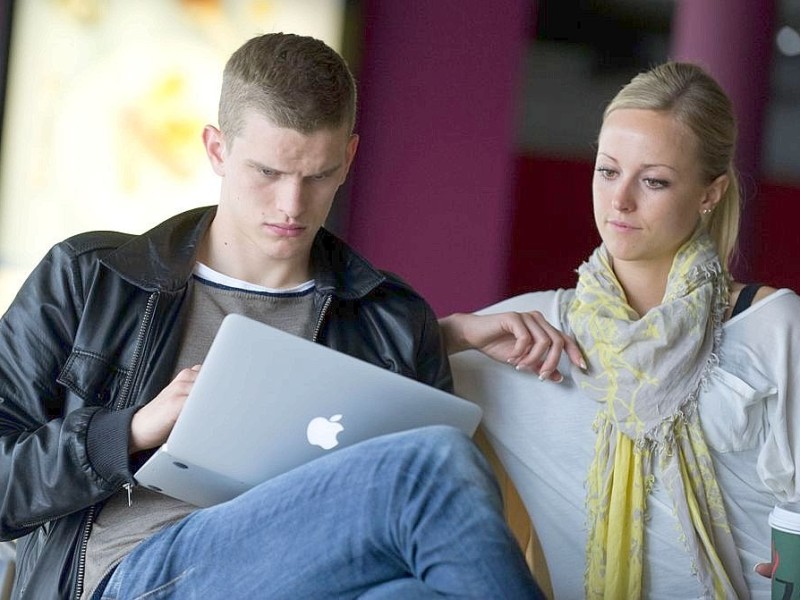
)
(268, 172)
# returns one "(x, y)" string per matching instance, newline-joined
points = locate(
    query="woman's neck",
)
(644, 284)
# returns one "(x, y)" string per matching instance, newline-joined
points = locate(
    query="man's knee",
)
(446, 448)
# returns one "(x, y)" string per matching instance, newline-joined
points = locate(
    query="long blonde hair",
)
(694, 98)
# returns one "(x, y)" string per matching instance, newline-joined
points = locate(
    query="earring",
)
(707, 211)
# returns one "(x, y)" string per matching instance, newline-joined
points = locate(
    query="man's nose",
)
(290, 198)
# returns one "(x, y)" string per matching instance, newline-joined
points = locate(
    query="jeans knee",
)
(447, 448)
(445, 437)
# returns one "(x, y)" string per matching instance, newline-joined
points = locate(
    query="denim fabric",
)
(409, 515)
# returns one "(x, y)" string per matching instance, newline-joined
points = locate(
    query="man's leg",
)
(420, 504)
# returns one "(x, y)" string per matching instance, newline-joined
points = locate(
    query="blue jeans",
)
(409, 515)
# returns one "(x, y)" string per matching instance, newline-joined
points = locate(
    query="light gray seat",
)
(8, 555)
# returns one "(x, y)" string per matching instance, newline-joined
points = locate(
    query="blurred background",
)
(477, 123)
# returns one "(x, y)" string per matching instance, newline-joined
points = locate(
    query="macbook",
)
(266, 401)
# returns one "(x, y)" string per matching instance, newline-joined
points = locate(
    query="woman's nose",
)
(623, 199)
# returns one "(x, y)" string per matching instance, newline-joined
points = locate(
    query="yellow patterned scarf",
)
(646, 372)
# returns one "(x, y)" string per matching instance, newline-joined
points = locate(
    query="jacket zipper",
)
(137, 352)
(322, 314)
(120, 404)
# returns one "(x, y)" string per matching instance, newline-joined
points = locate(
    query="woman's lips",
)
(621, 225)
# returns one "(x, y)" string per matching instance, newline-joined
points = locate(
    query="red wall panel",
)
(553, 228)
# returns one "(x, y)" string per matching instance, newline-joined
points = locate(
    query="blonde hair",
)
(693, 97)
(297, 82)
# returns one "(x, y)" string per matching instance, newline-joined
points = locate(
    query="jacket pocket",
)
(732, 412)
(93, 378)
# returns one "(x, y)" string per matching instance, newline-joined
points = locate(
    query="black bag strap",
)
(745, 298)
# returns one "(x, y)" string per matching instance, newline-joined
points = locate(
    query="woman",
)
(651, 473)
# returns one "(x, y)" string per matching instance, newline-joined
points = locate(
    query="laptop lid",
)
(266, 401)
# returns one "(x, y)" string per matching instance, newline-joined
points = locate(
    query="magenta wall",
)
(431, 185)
(734, 40)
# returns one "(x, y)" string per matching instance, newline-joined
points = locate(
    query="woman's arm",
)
(525, 340)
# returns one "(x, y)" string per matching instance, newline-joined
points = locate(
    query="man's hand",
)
(524, 340)
(152, 423)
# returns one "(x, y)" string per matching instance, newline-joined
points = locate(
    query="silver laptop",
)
(267, 401)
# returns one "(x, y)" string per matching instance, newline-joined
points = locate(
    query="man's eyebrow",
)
(328, 171)
(260, 165)
(332, 169)
(325, 172)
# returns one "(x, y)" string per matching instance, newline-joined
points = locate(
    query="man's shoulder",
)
(396, 284)
(94, 241)
(395, 287)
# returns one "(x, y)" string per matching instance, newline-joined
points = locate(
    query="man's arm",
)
(433, 366)
(45, 471)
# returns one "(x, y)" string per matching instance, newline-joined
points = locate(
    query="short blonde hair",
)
(694, 98)
(297, 82)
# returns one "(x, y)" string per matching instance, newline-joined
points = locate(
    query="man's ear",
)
(714, 193)
(214, 142)
(350, 153)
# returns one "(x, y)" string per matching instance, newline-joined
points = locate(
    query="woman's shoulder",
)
(754, 299)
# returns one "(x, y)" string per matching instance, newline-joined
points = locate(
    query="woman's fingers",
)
(544, 354)
(763, 569)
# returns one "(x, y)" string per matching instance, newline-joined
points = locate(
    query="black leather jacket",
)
(93, 334)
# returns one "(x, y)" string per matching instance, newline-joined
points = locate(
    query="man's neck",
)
(252, 266)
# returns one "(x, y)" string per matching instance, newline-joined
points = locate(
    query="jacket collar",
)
(163, 258)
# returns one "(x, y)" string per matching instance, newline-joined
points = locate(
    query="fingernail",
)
(544, 375)
(560, 378)
(522, 368)
(583, 365)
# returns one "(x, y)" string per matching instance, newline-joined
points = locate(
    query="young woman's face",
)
(648, 188)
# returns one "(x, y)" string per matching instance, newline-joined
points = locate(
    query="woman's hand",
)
(153, 422)
(763, 569)
(524, 340)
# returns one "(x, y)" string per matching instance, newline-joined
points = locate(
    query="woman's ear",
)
(714, 194)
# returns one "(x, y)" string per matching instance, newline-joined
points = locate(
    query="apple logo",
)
(322, 432)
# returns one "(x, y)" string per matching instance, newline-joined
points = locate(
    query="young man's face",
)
(277, 190)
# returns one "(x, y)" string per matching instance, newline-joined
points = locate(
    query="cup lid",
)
(786, 517)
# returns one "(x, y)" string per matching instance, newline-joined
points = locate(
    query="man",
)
(104, 340)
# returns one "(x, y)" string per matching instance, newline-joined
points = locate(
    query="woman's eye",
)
(605, 172)
(268, 172)
(656, 184)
